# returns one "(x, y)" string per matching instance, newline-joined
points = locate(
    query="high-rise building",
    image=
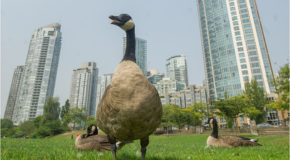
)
(167, 85)
(39, 73)
(155, 76)
(103, 83)
(234, 46)
(176, 68)
(13, 93)
(140, 53)
(83, 90)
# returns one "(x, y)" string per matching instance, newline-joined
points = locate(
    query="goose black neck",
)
(130, 45)
(215, 128)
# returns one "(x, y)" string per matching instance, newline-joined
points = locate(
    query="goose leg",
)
(144, 143)
(113, 146)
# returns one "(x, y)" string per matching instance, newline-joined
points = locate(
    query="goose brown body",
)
(130, 107)
(95, 142)
(227, 140)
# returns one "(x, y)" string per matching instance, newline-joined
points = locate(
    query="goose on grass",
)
(227, 140)
(93, 141)
(130, 108)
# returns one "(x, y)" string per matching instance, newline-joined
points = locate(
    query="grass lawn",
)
(177, 147)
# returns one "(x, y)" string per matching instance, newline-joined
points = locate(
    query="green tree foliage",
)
(36, 121)
(42, 131)
(51, 110)
(282, 89)
(75, 116)
(168, 116)
(64, 109)
(90, 120)
(54, 127)
(197, 111)
(231, 108)
(258, 99)
(6, 123)
(27, 127)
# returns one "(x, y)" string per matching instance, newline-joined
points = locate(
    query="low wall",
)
(273, 130)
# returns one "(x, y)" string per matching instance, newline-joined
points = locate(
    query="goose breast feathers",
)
(130, 107)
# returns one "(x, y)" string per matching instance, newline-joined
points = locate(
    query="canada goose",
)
(130, 108)
(93, 141)
(227, 140)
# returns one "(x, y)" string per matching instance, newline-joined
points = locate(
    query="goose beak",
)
(116, 20)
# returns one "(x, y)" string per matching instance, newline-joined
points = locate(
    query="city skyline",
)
(163, 40)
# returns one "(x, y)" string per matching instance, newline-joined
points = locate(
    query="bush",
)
(18, 134)
(42, 131)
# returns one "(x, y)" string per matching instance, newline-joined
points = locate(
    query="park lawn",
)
(174, 147)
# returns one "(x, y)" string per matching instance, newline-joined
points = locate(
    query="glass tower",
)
(176, 68)
(39, 73)
(140, 53)
(13, 93)
(234, 46)
(83, 88)
(103, 83)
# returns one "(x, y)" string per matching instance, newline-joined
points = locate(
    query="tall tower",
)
(140, 53)
(103, 83)
(83, 88)
(234, 46)
(39, 73)
(176, 68)
(13, 93)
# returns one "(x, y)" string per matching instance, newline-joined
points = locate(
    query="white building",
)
(39, 74)
(103, 83)
(167, 85)
(83, 88)
(13, 93)
(176, 68)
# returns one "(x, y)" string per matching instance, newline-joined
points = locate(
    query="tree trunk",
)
(167, 130)
(235, 127)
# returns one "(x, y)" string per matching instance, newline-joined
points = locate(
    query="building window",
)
(244, 66)
(244, 10)
(250, 41)
(241, 54)
(258, 77)
(255, 65)
(247, 26)
(241, 1)
(238, 38)
(248, 31)
(237, 33)
(250, 36)
(234, 13)
(256, 70)
(243, 60)
(245, 72)
(252, 53)
(242, 119)
(245, 15)
(239, 44)
(251, 47)
(253, 59)
(240, 49)
(243, 6)
(246, 20)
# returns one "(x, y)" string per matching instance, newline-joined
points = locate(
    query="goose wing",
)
(96, 142)
(236, 141)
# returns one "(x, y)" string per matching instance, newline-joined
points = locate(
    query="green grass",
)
(179, 147)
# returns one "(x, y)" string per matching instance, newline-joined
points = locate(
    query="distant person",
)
(72, 137)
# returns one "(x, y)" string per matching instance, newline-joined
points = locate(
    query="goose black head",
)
(124, 21)
(210, 120)
(92, 130)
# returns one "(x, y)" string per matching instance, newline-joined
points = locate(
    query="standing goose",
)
(227, 140)
(130, 108)
(93, 141)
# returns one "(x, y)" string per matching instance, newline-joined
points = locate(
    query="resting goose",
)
(227, 140)
(130, 108)
(93, 141)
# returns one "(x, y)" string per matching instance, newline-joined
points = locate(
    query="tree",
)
(42, 131)
(51, 110)
(27, 127)
(36, 121)
(180, 117)
(231, 108)
(197, 111)
(167, 116)
(75, 116)
(282, 89)
(90, 120)
(65, 109)
(54, 127)
(257, 97)
(6, 123)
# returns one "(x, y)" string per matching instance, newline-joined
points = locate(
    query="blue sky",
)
(170, 27)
